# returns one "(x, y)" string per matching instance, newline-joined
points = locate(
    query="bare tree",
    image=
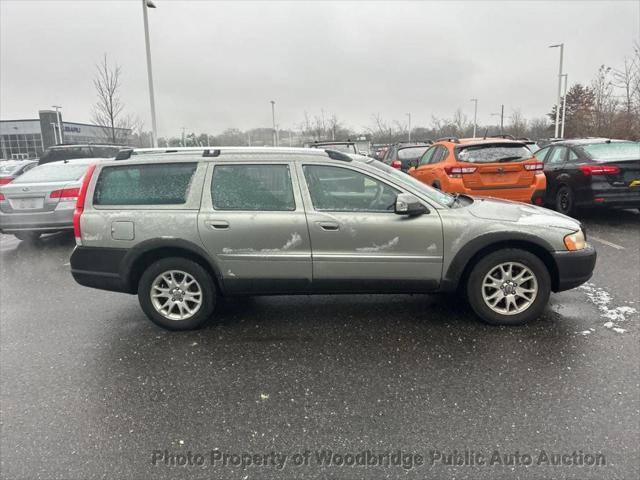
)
(108, 110)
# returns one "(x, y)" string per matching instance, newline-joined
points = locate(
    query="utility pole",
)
(502, 119)
(475, 116)
(564, 103)
(561, 45)
(154, 132)
(409, 115)
(183, 144)
(273, 118)
(58, 107)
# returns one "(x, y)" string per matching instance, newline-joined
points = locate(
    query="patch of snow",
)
(432, 248)
(585, 332)
(618, 330)
(230, 273)
(379, 248)
(601, 299)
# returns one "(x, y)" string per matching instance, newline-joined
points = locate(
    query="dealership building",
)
(22, 139)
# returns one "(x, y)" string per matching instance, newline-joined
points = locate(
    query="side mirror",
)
(408, 204)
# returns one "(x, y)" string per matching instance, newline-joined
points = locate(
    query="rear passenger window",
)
(153, 184)
(252, 187)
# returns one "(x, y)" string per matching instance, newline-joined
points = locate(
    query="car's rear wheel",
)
(27, 236)
(177, 294)
(564, 200)
(509, 287)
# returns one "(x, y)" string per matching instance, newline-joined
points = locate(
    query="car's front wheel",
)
(509, 287)
(177, 293)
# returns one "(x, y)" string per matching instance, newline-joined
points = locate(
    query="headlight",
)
(575, 241)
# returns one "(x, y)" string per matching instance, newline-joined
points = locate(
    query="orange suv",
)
(489, 167)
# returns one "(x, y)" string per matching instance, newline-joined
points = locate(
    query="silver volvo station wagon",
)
(182, 227)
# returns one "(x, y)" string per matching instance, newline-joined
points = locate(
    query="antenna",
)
(486, 130)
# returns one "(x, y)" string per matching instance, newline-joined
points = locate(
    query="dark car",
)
(71, 152)
(346, 147)
(11, 169)
(403, 156)
(591, 172)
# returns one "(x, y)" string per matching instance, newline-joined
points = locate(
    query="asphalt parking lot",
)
(91, 389)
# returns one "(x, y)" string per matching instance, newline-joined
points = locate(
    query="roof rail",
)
(336, 155)
(124, 154)
(211, 152)
(448, 139)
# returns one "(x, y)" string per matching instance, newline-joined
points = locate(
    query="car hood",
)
(520, 213)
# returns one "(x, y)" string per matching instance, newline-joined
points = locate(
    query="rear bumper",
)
(38, 221)
(99, 268)
(628, 199)
(574, 268)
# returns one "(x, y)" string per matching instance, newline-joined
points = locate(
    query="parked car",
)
(591, 172)
(41, 200)
(71, 152)
(11, 169)
(488, 167)
(403, 156)
(181, 229)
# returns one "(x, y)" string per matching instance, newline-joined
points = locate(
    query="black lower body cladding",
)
(99, 268)
(574, 268)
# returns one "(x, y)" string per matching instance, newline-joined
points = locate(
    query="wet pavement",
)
(91, 389)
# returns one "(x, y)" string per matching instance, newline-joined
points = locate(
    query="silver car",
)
(41, 200)
(182, 228)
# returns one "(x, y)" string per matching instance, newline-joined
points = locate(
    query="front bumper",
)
(574, 267)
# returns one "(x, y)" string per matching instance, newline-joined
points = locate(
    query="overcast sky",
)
(217, 64)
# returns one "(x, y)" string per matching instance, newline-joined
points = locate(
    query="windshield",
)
(613, 151)
(7, 168)
(341, 147)
(435, 195)
(492, 153)
(412, 153)
(54, 172)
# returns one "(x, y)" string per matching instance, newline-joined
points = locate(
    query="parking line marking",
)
(606, 242)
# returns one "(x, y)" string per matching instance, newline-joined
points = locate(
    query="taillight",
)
(5, 180)
(534, 166)
(1, 196)
(396, 164)
(77, 213)
(457, 171)
(68, 193)
(589, 170)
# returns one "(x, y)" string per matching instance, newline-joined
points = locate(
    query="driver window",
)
(337, 189)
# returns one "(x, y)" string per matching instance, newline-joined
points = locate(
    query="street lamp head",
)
(150, 4)
(555, 46)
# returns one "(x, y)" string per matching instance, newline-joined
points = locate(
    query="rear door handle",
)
(329, 226)
(218, 224)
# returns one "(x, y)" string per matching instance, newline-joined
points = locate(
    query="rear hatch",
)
(497, 165)
(34, 191)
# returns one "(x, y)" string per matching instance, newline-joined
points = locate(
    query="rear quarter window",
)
(151, 184)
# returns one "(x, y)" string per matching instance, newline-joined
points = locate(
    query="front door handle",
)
(218, 224)
(329, 226)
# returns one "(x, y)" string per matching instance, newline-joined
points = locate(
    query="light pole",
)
(561, 45)
(475, 116)
(58, 107)
(273, 118)
(154, 134)
(409, 128)
(564, 103)
(501, 115)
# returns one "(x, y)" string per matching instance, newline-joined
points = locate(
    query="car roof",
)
(17, 162)
(329, 142)
(75, 145)
(235, 153)
(74, 161)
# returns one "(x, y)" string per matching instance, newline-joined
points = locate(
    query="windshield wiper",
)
(508, 159)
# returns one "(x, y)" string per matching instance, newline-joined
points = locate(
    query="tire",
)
(151, 281)
(564, 201)
(522, 311)
(28, 236)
